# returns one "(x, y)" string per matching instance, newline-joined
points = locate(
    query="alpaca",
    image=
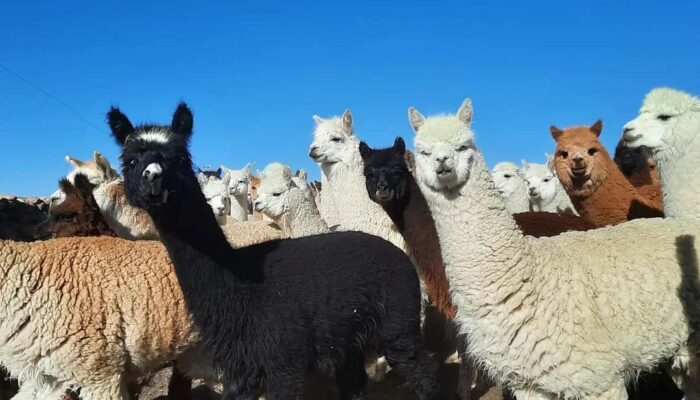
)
(668, 124)
(335, 149)
(216, 192)
(77, 215)
(268, 313)
(512, 185)
(545, 191)
(238, 189)
(639, 168)
(94, 174)
(598, 189)
(290, 206)
(568, 317)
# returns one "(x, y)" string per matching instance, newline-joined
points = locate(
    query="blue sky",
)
(255, 72)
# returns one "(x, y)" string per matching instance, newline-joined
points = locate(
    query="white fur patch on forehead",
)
(507, 166)
(274, 179)
(330, 125)
(445, 128)
(214, 187)
(161, 136)
(538, 170)
(669, 101)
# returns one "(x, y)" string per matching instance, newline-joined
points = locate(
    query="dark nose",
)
(381, 185)
(578, 158)
(626, 130)
(441, 158)
(312, 152)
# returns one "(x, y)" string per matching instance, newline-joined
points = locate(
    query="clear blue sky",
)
(254, 74)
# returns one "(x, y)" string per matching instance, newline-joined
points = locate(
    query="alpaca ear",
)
(104, 165)
(248, 169)
(556, 132)
(364, 150)
(226, 178)
(524, 163)
(182, 121)
(597, 128)
(465, 111)
(347, 121)
(303, 175)
(83, 187)
(399, 145)
(65, 186)
(317, 119)
(287, 174)
(202, 178)
(410, 160)
(218, 172)
(74, 161)
(415, 118)
(120, 125)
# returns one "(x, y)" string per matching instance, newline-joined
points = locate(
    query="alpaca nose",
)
(578, 158)
(381, 185)
(313, 152)
(152, 172)
(441, 158)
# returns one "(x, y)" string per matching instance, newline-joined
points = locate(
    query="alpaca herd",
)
(562, 280)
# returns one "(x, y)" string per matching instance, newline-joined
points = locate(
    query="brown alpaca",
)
(77, 215)
(543, 224)
(599, 190)
(640, 169)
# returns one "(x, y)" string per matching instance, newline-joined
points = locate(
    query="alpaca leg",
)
(180, 386)
(404, 354)
(351, 377)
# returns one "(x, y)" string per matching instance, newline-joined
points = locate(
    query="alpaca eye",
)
(663, 117)
(276, 194)
(424, 153)
(397, 174)
(564, 154)
(545, 180)
(66, 217)
(592, 151)
(130, 163)
(507, 176)
(369, 175)
(336, 139)
(462, 148)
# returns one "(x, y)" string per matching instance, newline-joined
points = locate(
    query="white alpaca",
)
(238, 188)
(336, 149)
(216, 191)
(281, 198)
(567, 317)
(512, 185)
(669, 124)
(545, 191)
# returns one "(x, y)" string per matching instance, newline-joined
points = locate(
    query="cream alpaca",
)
(238, 181)
(669, 124)
(336, 149)
(290, 206)
(545, 191)
(567, 317)
(91, 313)
(512, 185)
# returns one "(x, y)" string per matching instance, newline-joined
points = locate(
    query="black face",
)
(156, 162)
(386, 175)
(628, 159)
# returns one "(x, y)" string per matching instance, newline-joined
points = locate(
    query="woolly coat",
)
(89, 312)
(128, 221)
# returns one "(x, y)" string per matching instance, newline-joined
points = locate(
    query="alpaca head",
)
(509, 180)
(631, 160)
(334, 140)
(275, 187)
(238, 180)
(97, 171)
(215, 191)
(445, 147)
(77, 215)
(580, 161)
(387, 177)
(662, 111)
(541, 182)
(156, 162)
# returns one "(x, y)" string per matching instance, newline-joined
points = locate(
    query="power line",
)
(73, 111)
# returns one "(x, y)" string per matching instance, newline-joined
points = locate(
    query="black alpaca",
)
(270, 313)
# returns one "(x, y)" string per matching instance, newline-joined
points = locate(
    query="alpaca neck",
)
(418, 229)
(354, 209)
(325, 206)
(303, 218)
(127, 221)
(680, 182)
(613, 201)
(487, 259)
(239, 207)
(189, 230)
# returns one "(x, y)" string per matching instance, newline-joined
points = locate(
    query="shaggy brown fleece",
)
(599, 190)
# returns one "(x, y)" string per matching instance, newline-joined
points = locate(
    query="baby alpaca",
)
(545, 191)
(287, 204)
